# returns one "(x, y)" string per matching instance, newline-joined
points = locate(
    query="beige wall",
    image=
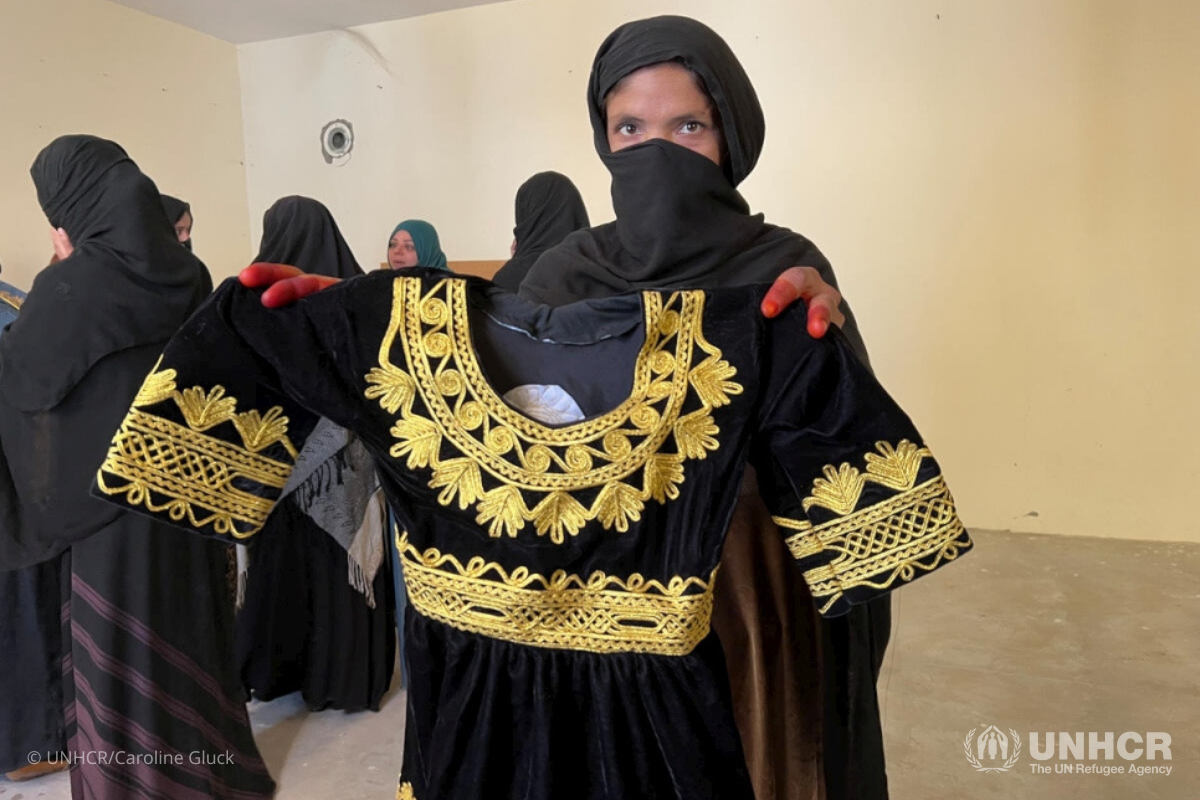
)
(1009, 191)
(168, 94)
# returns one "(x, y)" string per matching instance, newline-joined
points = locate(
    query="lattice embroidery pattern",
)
(500, 454)
(597, 614)
(196, 475)
(888, 542)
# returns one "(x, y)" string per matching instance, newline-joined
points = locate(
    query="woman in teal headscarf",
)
(414, 243)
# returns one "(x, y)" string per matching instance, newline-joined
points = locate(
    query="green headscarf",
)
(425, 240)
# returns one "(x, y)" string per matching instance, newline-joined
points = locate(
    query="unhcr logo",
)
(995, 750)
(990, 752)
(1130, 746)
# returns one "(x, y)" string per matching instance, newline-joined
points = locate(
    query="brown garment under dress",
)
(776, 695)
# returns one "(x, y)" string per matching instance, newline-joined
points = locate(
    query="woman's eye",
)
(627, 129)
(692, 126)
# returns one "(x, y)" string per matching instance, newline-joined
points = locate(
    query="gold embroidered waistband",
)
(190, 476)
(597, 614)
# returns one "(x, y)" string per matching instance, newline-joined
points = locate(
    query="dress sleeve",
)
(857, 494)
(216, 428)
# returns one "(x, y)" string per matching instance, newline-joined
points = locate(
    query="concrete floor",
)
(1029, 633)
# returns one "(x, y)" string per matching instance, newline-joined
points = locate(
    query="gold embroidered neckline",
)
(430, 327)
(476, 374)
(659, 324)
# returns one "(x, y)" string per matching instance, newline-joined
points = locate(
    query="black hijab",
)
(87, 336)
(175, 209)
(548, 209)
(680, 220)
(127, 283)
(300, 231)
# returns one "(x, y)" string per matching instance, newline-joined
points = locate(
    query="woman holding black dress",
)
(678, 124)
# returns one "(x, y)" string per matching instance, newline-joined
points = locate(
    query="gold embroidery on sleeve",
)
(893, 467)
(838, 491)
(164, 466)
(802, 544)
(514, 471)
(157, 387)
(10, 299)
(896, 467)
(597, 614)
(892, 541)
(260, 432)
(204, 410)
(405, 792)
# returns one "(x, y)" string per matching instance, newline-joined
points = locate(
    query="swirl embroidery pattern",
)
(512, 470)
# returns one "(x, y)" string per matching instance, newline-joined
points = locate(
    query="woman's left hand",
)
(804, 283)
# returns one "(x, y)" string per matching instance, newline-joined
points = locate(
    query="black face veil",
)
(681, 223)
(696, 46)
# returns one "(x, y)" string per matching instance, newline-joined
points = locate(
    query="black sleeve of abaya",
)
(50, 457)
(216, 428)
(853, 487)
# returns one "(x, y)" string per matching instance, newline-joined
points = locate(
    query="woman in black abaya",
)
(679, 126)
(179, 213)
(149, 677)
(548, 209)
(315, 620)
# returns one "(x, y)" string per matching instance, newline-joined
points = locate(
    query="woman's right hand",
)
(805, 283)
(285, 284)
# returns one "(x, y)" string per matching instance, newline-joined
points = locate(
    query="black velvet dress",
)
(560, 578)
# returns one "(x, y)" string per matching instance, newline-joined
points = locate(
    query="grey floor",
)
(1028, 633)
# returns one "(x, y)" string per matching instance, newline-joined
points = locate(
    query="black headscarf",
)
(549, 208)
(300, 231)
(680, 220)
(88, 334)
(127, 283)
(175, 209)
